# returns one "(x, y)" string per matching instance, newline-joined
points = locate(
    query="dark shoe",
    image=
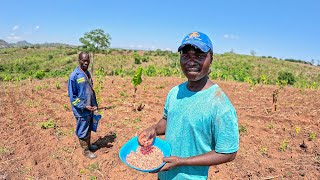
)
(93, 147)
(85, 149)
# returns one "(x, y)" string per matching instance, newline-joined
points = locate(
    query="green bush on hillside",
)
(50, 57)
(69, 53)
(286, 77)
(39, 74)
(150, 71)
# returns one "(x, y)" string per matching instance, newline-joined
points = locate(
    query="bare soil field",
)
(282, 144)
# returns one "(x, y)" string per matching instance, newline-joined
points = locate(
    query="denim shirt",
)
(81, 93)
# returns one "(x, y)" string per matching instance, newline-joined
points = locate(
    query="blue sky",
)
(279, 28)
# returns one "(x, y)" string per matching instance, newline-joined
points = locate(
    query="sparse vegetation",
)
(47, 124)
(58, 86)
(284, 145)
(270, 126)
(93, 167)
(242, 129)
(264, 150)
(5, 150)
(312, 136)
(298, 129)
(18, 64)
(65, 107)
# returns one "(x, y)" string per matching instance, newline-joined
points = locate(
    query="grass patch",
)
(312, 136)
(47, 124)
(284, 145)
(242, 129)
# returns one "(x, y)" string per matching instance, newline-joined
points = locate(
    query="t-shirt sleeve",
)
(226, 134)
(166, 106)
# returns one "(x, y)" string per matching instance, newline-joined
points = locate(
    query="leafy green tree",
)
(94, 41)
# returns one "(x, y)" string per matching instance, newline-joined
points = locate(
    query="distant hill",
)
(4, 44)
(20, 44)
(55, 45)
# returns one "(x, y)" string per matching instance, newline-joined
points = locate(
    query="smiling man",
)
(84, 103)
(199, 122)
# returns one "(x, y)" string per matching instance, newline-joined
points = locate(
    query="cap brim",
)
(198, 44)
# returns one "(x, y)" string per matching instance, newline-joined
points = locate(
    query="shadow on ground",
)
(106, 141)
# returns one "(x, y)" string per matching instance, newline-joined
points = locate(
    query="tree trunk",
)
(92, 73)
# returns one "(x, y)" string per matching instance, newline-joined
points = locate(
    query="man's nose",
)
(191, 61)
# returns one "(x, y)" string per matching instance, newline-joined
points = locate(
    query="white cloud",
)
(12, 36)
(168, 49)
(230, 36)
(15, 28)
(136, 46)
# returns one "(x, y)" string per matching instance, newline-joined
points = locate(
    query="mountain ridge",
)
(24, 43)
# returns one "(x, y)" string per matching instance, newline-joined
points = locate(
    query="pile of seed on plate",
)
(145, 157)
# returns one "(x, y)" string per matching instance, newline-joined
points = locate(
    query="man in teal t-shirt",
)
(199, 121)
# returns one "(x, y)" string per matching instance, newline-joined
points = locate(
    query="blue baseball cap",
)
(198, 40)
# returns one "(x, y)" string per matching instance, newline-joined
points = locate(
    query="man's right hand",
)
(146, 137)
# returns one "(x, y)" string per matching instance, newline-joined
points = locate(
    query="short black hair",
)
(83, 54)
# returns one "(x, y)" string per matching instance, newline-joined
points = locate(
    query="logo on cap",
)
(194, 35)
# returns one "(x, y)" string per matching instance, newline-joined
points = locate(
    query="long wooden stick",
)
(105, 108)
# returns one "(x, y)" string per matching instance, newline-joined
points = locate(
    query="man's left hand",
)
(172, 162)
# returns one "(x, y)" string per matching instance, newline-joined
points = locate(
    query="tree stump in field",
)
(275, 99)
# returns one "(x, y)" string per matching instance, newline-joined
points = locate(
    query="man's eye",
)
(201, 57)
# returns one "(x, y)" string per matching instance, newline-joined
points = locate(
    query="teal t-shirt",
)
(197, 123)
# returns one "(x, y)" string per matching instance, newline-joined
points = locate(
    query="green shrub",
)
(69, 53)
(39, 74)
(286, 77)
(50, 57)
(165, 72)
(284, 145)
(144, 58)
(47, 124)
(137, 60)
(7, 78)
(312, 136)
(150, 71)
(242, 129)
(58, 86)
(119, 71)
